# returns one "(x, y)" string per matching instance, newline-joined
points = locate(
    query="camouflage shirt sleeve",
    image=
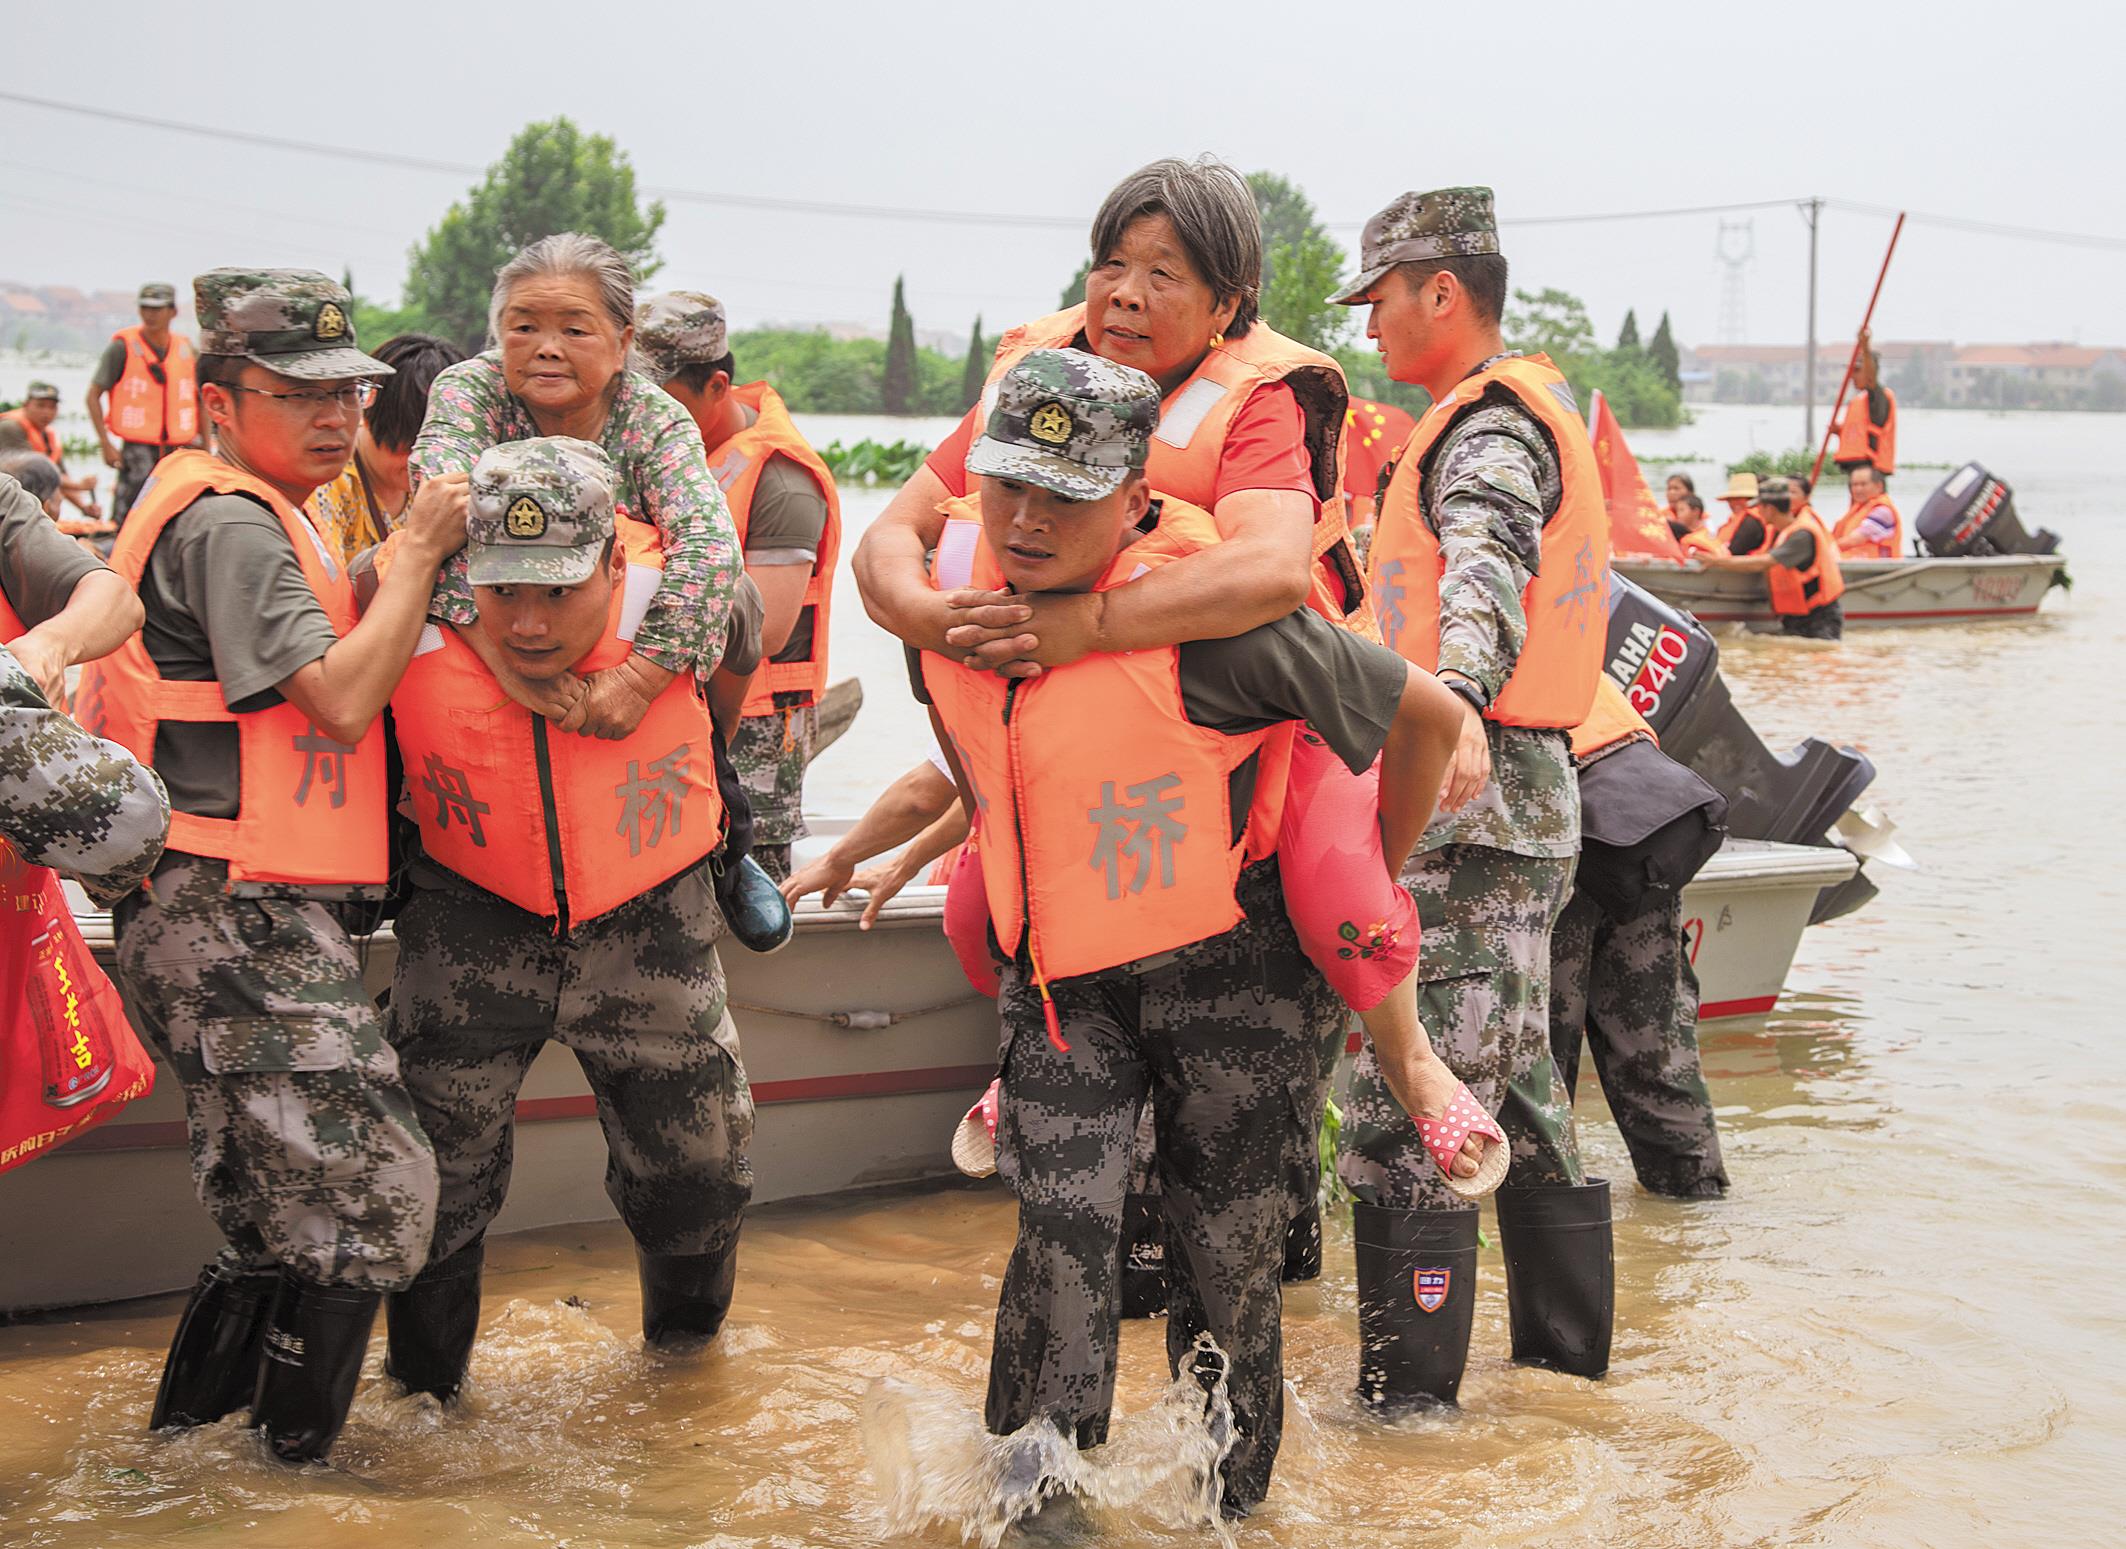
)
(1491, 488)
(71, 801)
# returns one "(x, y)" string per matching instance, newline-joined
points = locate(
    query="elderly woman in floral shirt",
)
(563, 318)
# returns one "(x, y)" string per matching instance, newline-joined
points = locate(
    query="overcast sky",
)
(1037, 109)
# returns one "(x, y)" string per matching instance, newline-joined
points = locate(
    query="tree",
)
(1555, 323)
(1301, 264)
(976, 371)
(899, 386)
(552, 178)
(1662, 352)
(1628, 335)
(1549, 322)
(1074, 292)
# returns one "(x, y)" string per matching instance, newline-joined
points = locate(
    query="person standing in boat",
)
(1799, 562)
(1490, 564)
(563, 319)
(1165, 975)
(562, 891)
(256, 694)
(148, 375)
(1250, 430)
(1871, 527)
(788, 515)
(1867, 430)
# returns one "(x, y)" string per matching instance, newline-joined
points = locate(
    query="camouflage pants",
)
(638, 994)
(1484, 996)
(771, 752)
(1216, 1041)
(136, 461)
(305, 1148)
(1629, 985)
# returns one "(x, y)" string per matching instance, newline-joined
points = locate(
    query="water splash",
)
(932, 1460)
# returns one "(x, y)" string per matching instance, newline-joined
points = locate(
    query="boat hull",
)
(1879, 593)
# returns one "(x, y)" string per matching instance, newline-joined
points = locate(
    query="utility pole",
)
(1808, 370)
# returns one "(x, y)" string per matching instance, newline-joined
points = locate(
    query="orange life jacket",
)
(1193, 421)
(1796, 592)
(1861, 440)
(737, 465)
(1611, 720)
(1853, 545)
(1697, 541)
(42, 438)
(311, 811)
(562, 825)
(1104, 816)
(164, 413)
(1567, 604)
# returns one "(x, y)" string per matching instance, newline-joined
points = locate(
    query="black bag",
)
(1647, 824)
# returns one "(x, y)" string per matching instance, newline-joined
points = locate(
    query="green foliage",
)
(900, 384)
(552, 178)
(1795, 459)
(874, 462)
(1301, 264)
(1333, 1190)
(1663, 353)
(1555, 323)
(1628, 335)
(1074, 292)
(976, 370)
(819, 374)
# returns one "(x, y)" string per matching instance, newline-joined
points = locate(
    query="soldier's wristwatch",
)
(1458, 685)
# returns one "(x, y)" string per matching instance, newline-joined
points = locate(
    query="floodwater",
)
(1904, 1327)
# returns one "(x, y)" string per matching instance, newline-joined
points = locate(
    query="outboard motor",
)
(1972, 516)
(1669, 667)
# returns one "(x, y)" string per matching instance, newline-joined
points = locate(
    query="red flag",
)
(1636, 525)
(1373, 433)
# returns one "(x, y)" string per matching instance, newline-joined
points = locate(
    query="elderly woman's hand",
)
(620, 697)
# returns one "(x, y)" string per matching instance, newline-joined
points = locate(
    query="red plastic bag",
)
(68, 1057)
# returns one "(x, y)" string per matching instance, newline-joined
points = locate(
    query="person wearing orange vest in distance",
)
(561, 891)
(788, 514)
(1867, 429)
(40, 407)
(149, 377)
(256, 695)
(1120, 976)
(1799, 562)
(1678, 485)
(1688, 525)
(1871, 527)
(1620, 972)
(1490, 567)
(1740, 497)
(1251, 430)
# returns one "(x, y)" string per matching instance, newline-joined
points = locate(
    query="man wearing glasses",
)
(255, 693)
(148, 376)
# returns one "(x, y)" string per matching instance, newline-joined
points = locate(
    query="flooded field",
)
(1904, 1327)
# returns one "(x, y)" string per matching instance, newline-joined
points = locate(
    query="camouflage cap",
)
(294, 321)
(1069, 422)
(40, 390)
(677, 329)
(156, 294)
(540, 514)
(1445, 223)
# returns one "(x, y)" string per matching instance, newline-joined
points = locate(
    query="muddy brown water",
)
(1904, 1327)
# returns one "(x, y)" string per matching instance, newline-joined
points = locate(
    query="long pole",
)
(1853, 361)
(1808, 392)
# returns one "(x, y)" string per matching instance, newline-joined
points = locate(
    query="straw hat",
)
(1740, 486)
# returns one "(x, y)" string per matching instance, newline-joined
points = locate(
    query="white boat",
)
(864, 1048)
(1878, 592)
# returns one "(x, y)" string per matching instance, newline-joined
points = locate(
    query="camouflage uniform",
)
(1630, 986)
(637, 992)
(305, 1148)
(1491, 879)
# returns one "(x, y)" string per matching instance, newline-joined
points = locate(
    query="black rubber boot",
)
(1302, 1244)
(1560, 1274)
(314, 1349)
(1416, 1302)
(686, 1296)
(1142, 1265)
(212, 1367)
(429, 1326)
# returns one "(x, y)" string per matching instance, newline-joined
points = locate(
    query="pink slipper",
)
(1445, 1135)
(974, 1142)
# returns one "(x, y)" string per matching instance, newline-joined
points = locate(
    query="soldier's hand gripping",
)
(1470, 767)
(435, 521)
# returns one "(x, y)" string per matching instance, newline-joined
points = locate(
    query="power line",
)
(1986, 228)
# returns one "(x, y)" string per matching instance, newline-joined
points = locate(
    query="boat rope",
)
(858, 1021)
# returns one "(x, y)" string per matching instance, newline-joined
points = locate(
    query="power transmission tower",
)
(1736, 247)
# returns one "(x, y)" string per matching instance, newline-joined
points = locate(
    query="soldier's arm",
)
(100, 613)
(783, 534)
(72, 801)
(1487, 507)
